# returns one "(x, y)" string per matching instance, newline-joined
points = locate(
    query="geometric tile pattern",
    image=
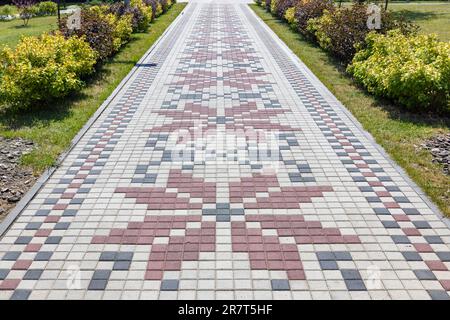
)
(295, 203)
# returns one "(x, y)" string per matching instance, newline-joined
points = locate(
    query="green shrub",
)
(307, 10)
(146, 14)
(41, 68)
(164, 5)
(45, 8)
(341, 30)
(413, 70)
(159, 10)
(95, 2)
(121, 25)
(119, 9)
(273, 6)
(7, 10)
(122, 29)
(156, 7)
(289, 16)
(97, 31)
(279, 7)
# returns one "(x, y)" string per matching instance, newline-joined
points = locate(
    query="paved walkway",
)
(297, 203)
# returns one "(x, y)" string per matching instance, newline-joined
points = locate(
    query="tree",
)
(25, 8)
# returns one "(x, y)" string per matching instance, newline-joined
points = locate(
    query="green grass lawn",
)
(53, 128)
(399, 132)
(432, 18)
(11, 31)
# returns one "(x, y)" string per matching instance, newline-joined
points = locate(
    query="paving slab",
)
(222, 168)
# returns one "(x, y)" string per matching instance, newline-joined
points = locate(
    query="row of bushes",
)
(53, 65)
(393, 61)
(7, 12)
(44, 8)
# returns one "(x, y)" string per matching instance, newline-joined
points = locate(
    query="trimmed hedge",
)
(45, 8)
(341, 31)
(6, 11)
(53, 65)
(145, 15)
(96, 30)
(307, 10)
(45, 67)
(289, 16)
(412, 70)
(121, 25)
(392, 62)
(137, 16)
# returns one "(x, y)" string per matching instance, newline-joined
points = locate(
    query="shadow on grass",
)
(21, 26)
(415, 15)
(43, 113)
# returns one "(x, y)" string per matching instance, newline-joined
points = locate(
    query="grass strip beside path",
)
(399, 132)
(53, 127)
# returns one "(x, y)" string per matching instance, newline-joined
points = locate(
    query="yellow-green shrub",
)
(290, 18)
(413, 70)
(122, 30)
(122, 25)
(273, 6)
(45, 67)
(46, 8)
(159, 10)
(341, 30)
(308, 10)
(7, 10)
(316, 28)
(146, 12)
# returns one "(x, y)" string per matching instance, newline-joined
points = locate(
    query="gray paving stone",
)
(355, 285)
(3, 273)
(328, 265)
(280, 285)
(438, 294)
(20, 294)
(101, 274)
(11, 255)
(98, 284)
(424, 275)
(169, 285)
(33, 274)
(351, 274)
